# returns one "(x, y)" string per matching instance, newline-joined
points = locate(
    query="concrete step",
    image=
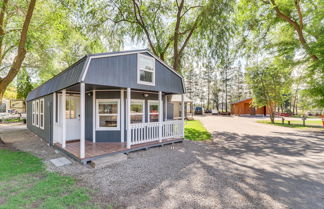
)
(108, 160)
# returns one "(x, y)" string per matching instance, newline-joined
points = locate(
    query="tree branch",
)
(297, 28)
(15, 67)
(2, 29)
(140, 21)
(297, 5)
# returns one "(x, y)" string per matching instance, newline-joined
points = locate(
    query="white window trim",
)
(98, 128)
(149, 102)
(141, 101)
(138, 71)
(37, 113)
(41, 101)
(33, 113)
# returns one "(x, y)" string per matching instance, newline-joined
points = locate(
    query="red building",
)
(244, 107)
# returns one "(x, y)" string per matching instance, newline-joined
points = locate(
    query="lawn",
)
(24, 183)
(295, 123)
(195, 131)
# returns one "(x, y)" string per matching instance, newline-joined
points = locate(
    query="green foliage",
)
(270, 82)
(24, 85)
(195, 131)
(24, 183)
(265, 34)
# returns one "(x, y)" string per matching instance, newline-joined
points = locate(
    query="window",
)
(33, 113)
(137, 111)
(153, 111)
(145, 70)
(70, 111)
(108, 114)
(37, 113)
(41, 113)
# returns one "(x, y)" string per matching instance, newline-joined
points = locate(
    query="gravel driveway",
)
(247, 165)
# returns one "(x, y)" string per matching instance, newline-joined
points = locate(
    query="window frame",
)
(33, 113)
(41, 114)
(149, 102)
(37, 113)
(141, 101)
(139, 56)
(98, 128)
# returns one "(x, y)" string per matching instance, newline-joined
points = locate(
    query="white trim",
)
(85, 71)
(82, 120)
(160, 115)
(182, 113)
(113, 114)
(63, 119)
(128, 118)
(94, 116)
(54, 109)
(148, 108)
(33, 113)
(37, 113)
(139, 56)
(138, 101)
(41, 114)
(122, 116)
(166, 107)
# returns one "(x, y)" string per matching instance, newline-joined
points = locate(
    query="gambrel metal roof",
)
(111, 69)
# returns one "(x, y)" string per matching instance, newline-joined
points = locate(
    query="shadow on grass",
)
(196, 135)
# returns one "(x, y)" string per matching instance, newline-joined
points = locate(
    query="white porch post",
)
(182, 113)
(128, 118)
(122, 116)
(82, 120)
(94, 116)
(165, 107)
(160, 115)
(63, 107)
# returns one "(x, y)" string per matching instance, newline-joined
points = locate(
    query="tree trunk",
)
(17, 62)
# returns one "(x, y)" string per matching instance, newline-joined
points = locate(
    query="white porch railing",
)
(148, 132)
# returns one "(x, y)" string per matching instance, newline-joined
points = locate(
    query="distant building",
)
(244, 107)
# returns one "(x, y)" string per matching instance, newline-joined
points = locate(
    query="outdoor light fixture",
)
(145, 95)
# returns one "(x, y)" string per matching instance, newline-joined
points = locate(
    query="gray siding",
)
(45, 133)
(111, 136)
(67, 78)
(121, 71)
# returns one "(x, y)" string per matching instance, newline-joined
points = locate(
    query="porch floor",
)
(102, 149)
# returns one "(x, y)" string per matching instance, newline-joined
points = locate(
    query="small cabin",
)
(108, 103)
(244, 108)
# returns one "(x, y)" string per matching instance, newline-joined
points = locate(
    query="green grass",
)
(12, 120)
(195, 131)
(295, 123)
(24, 183)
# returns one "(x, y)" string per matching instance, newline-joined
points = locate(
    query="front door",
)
(72, 116)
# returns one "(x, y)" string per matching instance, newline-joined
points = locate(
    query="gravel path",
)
(247, 165)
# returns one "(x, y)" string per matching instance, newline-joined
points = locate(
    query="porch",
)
(97, 121)
(101, 149)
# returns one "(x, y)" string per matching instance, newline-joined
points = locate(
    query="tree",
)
(167, 27)
(21, 49)
(286, 27)
(24, 85)
(270, 82)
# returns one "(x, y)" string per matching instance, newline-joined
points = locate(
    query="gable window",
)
(137, 111)
(41, 113)
(145, 70)
(108, 114)
(153, 111)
